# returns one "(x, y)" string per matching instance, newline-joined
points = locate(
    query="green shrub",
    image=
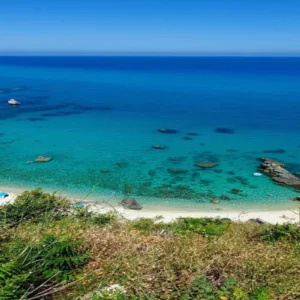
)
(33, 206)
(286, 232)
(203, 226)
(94, 218)
(25, 266)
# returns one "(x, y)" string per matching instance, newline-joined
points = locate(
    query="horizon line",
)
(11, 53)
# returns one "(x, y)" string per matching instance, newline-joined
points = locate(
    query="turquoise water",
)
(99, 125)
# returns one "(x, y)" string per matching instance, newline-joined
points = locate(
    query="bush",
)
(203, 226)
(286, 232)
(25, 266)
(94, 218)
(33, 206)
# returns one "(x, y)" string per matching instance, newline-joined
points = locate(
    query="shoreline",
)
(274, 215)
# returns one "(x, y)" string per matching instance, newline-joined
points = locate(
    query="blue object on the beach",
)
(78, 205)
(3, 195)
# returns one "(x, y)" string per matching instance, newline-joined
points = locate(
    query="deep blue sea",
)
(98, 118)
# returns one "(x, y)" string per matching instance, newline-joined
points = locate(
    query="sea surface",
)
(98, 117)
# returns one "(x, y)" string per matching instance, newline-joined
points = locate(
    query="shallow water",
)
(99, 121)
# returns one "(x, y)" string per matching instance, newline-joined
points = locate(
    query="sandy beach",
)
(276, 215)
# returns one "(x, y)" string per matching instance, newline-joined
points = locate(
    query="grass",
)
(66, 253)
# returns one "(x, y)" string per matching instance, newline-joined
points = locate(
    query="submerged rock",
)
(122, 164)
(206, 165)
(214, 201)
(276, 151)
(177, 159)
(167, 130)
(187, 138)
(224, 130)
(159, 147)
(43, 159)
(105, 171)
(131, 203)
(193, 134)
(176, 171)
(280, 175)
(297, 198)
(235, 191)
(224, 197)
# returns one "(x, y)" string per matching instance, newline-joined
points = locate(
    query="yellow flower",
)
(223, 298)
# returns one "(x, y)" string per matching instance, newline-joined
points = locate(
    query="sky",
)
(156, 26)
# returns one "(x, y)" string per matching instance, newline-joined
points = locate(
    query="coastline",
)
(274, 215)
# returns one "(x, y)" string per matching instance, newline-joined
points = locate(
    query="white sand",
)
(274, 216)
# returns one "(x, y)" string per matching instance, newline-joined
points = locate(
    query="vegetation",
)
(50, 250)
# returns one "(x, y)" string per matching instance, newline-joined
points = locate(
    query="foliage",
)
(34, 206)
(45, 244)
(94, 218)
(27, 265)
(285, 232)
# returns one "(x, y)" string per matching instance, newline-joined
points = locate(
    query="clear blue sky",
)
(197, 26)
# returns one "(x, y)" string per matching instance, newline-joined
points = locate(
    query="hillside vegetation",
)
(50, 250)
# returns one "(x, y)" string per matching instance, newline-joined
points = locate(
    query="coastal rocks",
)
(206, 165)
(159, 147)
(280, 175)
(41, 159)
(105, 171)
(131, 203)
(167, 130)
(276, 151)
(297, 198)
(13, 102)
(177, 171)
(224, 130)
(235, 191)
(177, 159)
(214, 201)
(122, 164)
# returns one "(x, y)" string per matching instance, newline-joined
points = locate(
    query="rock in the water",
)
(13, 102)
(276, 151)
(214, 201)
(206, 165)
(104, 171)
(193, 134)
(276, 171)
(297, 198)
(176, 171)
(224, 130)
(167, 130)
(235, 191)
(131, 203)
(159, 147)
(187, 138)
(43, 159)
(224, 197)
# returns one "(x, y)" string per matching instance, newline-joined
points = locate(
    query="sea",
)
(99, 118)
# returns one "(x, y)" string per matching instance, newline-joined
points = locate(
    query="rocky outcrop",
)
(159, 147)
(206, 165)
(167, 130)
(131, 203)
(276, 171)
(43, 159)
